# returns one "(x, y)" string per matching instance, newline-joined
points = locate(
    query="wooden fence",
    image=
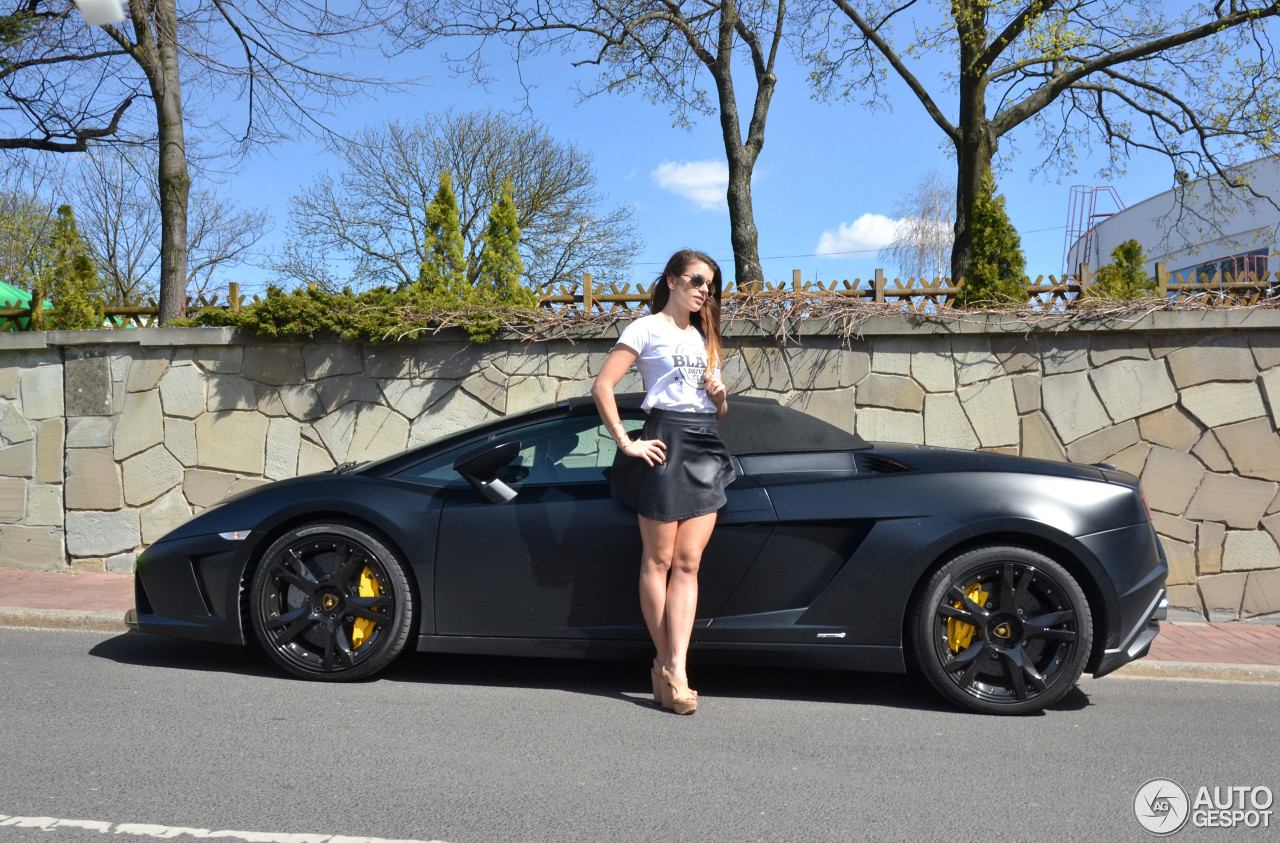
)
(918, 295)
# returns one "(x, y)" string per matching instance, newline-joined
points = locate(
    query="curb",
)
(1151, 669)
(62, 619)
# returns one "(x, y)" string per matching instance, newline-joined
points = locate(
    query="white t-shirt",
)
(672, 363)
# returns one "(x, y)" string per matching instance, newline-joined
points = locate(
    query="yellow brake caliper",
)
(959, 633)
(362, 628)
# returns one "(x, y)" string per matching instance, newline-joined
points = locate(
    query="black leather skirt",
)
(692, 480)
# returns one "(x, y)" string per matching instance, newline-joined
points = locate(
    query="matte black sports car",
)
(1000, 578)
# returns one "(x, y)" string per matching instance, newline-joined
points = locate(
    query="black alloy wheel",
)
(1002, 630)
(331, 602)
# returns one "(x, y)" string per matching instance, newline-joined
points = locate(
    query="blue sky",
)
(828, 178)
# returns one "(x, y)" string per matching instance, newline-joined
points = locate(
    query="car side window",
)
(572, 450)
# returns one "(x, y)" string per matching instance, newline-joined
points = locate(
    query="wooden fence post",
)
(795, 279)
(233, 295)
(1083, 278)
(879, 286)
(588, 292)
(1162, 279)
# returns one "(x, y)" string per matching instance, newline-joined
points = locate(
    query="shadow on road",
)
(622, 681)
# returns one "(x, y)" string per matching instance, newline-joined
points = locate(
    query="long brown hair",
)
(706, 320)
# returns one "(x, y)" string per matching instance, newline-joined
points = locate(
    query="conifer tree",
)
(996, 276)
(1125, 277)
(500, 264)
(443, 273)
(72, 282)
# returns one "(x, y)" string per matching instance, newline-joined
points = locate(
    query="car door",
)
(561, 560)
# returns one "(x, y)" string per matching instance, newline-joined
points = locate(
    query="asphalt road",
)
(129, 729)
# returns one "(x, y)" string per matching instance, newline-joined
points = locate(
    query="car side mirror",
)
(480, 468)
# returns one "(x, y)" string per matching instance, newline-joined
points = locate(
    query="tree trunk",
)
(173, 177)
(977, 138)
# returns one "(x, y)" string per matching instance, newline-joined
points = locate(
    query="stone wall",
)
(110, 439)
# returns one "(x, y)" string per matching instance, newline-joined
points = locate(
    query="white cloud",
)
(703, 182)
(867, 233)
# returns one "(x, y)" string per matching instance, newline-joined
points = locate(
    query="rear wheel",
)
(330, 601)
(1002, 630)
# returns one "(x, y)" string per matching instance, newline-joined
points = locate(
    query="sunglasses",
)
(696, 281)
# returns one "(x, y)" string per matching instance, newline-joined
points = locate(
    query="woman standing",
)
(675, 474)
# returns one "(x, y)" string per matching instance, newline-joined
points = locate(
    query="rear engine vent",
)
(874, 464)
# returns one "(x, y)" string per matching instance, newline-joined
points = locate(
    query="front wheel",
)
(1002, 630)
(331, 602)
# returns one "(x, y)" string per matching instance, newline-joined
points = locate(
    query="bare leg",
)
(691, 538)
(659, 542)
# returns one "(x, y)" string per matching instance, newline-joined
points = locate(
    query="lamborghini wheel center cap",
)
(329, 601)
(1004, 630)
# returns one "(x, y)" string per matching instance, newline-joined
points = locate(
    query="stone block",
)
(934, 370)
(1210, 452)
(439, 361)
(880, 425)
(456, 411)
(144, 375)
(41, 391)
(312, 459)
(1261, 593)
(1017, 355)
(205, 488)
(734, 373)
(220, 359)
(580, 389)
(991, 410)
(1265, 346)
(44, 506)
(1234, 501)
(119, 365)
(1270, 385)
(1170, 479)
(946, 425)
(1253, 448)
(276, 365)
(141, 424)
(490, 387)
(49, 448)
(835, 406)
(1217, 404)
(526, 393)
(235, 441)
(891, 356)
(1108, 348)
(230, 392)
(379, 432)
(1026, 392)
(1204, 363)
(1182, 561)
(121, 563)
(102, 533)
(975, 361)
(768, 367)
(409, 398)
(269, 403)
(180, 439)
(1185, 597)
(1132, 459)
(1098, 446)
(163, 516)
(532, 360)
(1170, 427)
(182, 391)
(13, 499)
(87, 384)
(13, 427)
(1039, 440)
(820, 368)
(1209, 539)
(1179, 529)
(90, 432)
(1133, 388)
(32, 548)
(9, 381)
(894, 392)
(93, 480)
(244, 484)
(1062, 354)
(284, 437)
(1222, 595)
(18, 460)
(1072, 406)
(89, 565)
(390, 361)
(335, 430)
(149, 475)
(324, 360)
(302, 401)
(1248, 550)
(343, 389)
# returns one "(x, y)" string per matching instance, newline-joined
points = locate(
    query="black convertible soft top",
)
(763, 426)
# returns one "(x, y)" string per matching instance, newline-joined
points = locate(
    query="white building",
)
(1198, 227)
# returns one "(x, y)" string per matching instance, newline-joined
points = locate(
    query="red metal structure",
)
(1082, 216)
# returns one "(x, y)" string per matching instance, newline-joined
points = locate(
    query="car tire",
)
(331, 602)
(1002, 630)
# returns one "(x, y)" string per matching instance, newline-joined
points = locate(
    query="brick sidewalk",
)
(1217, 643)
(84, 591)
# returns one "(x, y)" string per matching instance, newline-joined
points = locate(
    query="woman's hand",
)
(652, 451)
(716, 391)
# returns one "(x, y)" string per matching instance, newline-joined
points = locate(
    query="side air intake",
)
(874, 464)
